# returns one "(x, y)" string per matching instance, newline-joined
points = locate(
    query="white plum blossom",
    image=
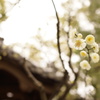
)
(95, 57)
(85, 65)
(88, 46)
(79, 44)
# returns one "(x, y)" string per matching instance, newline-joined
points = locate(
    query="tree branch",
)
(59, 51)
(70, 49)
(37, 83)
(58, 35)
(69, 87)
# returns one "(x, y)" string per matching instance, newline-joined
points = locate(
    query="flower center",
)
(90, 39)
(85, 65)
(95, 57)
(78, 43)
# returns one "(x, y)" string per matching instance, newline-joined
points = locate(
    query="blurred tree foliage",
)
(91, 11)
(94, 17)
(2, 10)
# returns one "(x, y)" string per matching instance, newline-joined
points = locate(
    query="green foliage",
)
(2, 11)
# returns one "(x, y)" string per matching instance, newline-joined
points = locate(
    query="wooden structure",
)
(14, 81)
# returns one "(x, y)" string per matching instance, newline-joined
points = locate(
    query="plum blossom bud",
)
(79, 35)
(85, 65)
(95, 47)
(90, 39)
(83, 54)
(95, 57)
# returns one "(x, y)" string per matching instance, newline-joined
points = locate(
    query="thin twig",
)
(69, 87)
(88, 52)
(17, 2)
(58, 35)
(58, 39)
(70, 49)
(13, 5)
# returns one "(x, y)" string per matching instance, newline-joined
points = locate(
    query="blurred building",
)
(15, 83)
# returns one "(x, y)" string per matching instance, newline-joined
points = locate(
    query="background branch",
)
(70, 50)
(36, 82)
(69, 87)
(12, 5)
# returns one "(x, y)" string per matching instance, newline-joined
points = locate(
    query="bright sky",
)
(23, 23)
(26, 18)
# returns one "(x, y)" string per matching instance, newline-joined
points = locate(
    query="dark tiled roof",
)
(14, 58)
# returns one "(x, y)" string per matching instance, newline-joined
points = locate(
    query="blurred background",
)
(29, 29)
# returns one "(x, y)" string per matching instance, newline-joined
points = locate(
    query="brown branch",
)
(59, 51)
(58, 35)
(36, 82)
(70, 49)
(58, 39)
(63, 81)
(69, 86)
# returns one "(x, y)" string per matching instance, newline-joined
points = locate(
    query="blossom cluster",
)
(87, 46)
